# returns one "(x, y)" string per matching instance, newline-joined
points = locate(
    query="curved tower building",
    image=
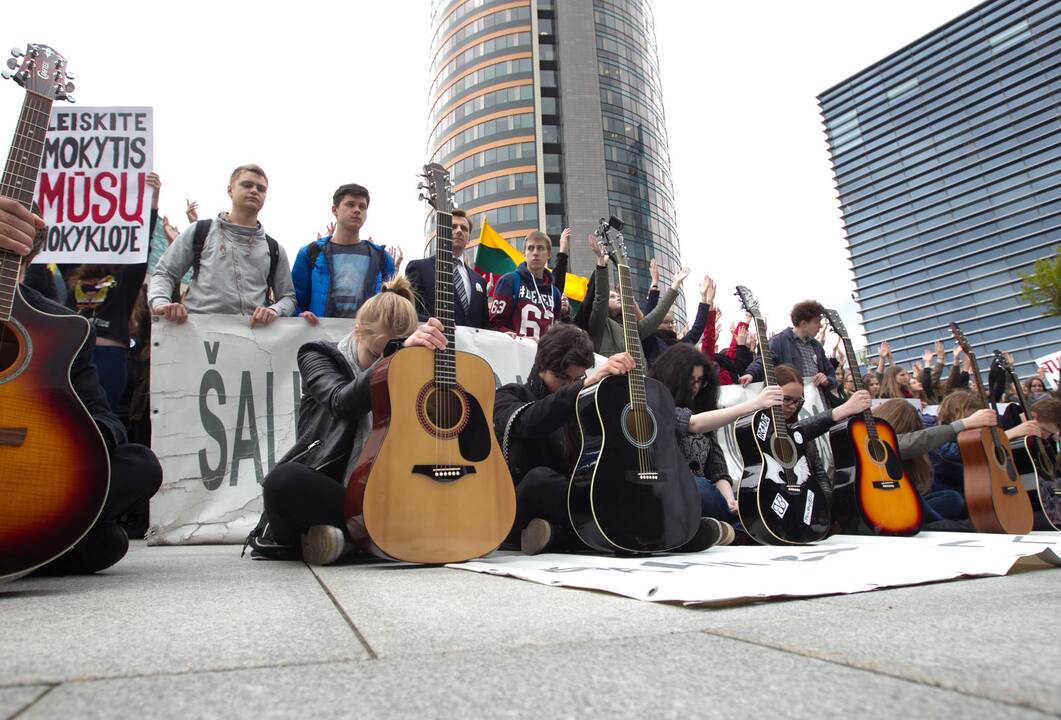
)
(548, 114)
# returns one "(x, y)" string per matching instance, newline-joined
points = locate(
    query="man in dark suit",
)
(469, 298)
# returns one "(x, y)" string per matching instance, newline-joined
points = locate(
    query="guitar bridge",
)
(444, 473)
(1010, 490)
(1056, 492)
(886, 484)
(648, 476)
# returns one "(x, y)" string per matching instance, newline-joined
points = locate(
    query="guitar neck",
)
(777, 413)
(445, 359)
(976, 378)
(19, 183)
(856, 378)
(636, 377)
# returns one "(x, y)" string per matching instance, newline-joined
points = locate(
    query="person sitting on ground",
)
(1035, 389)
(304, 494)
(916, 445)
(605, 321)
(526, 301)
(235, 270)
(665, 336)
(691, 379)
(798, 347)
(335, 274)
(135, 473)
(895, 383)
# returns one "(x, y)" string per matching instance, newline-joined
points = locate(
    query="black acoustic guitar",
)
(630, 491)
(780, 499)
(1033, 456)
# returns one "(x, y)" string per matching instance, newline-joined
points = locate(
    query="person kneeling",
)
(304, 494)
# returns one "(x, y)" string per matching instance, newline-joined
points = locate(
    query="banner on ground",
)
(92, 188)
(841, 564)
(224, 403)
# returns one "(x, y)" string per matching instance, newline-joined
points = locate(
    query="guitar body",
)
(779, 498)
(431, 485)
(630, 491)
(994, 494)
(1033, 456)
(886, 499)
(54, 467)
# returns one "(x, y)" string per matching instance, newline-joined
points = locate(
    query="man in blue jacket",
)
(798, 346)
(335, 274)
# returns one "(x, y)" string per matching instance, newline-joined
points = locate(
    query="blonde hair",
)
(391, 314)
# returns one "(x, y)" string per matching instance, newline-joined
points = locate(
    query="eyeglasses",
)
(794, 402)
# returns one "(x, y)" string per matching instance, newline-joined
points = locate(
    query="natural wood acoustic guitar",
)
(994, 494)
(431, 484)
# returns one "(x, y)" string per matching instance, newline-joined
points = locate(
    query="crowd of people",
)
(230, 265)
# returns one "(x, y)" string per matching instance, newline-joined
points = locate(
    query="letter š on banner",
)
(92, 188)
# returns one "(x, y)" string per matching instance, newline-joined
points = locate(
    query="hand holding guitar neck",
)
(17, 227)
(618, 364)
(986, 418)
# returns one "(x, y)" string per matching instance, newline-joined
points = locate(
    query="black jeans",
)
(297, 497)
(542, 493)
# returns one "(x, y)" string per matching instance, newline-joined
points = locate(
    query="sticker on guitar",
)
(763, 430)
(808, 509)
(779, 506)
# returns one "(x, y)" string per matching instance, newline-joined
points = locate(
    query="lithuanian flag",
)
(495, 255)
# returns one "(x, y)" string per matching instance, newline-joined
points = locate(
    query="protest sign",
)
(840, 564)
(92, 189)
(1051, 365)
(224, 403)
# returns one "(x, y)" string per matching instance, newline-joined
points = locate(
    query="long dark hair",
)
(674, 368)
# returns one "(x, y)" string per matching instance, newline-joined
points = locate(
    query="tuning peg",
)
(12, 63)
(422, 197)
(70, 76)
(70, 87)
(15, 52)
(70, 99)
(7, 74)
(420, 186)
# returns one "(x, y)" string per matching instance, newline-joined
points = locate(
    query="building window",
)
(549, 106)
(900, 90)
(1010, 36)
(550, 133)
(554, 224)
(552, 163)
(545, 26)
(554, 193)
(548, 78)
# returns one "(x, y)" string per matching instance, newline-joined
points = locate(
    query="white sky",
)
(321, 94)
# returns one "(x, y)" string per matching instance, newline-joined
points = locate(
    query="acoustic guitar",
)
(431, 484)
(1032, 453)
(781, 499)
(994, 495)
(54, 468)
(630, 491)
(887, 502)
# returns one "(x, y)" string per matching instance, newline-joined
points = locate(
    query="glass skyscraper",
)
(548, 114)
(947, 157)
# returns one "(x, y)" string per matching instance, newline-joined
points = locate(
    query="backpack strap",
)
(312, 253)
(274, 258)
(202, 229)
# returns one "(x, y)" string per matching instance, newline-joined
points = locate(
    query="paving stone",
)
(169, 609)
(13, 699)
(674, 676)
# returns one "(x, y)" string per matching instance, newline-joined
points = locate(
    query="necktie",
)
(458, 286)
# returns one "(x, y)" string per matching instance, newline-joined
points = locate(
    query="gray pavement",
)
(190, 632)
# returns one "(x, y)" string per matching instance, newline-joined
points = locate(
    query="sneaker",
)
(708, 535)
(535, 538)
(102, 547)
(323, 545)
(264, 546)
(728, 534)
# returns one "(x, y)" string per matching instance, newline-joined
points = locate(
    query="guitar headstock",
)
(42, 71)
(610, 232)
(747, 301)
(959, 337)
(439, 189)
(1003, 362)
(836, 322)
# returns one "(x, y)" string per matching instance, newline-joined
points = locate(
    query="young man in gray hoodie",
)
(233, 275)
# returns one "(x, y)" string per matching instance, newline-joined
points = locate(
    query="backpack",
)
(202, 229)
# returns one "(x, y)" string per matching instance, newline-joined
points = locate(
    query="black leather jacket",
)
(534, 426)
(332, 403)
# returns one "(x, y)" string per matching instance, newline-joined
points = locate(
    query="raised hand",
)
(397, 255)
(192, 210)
(598, 250)
(152, 181)
(679, 278)
(653, 271)
(170, 231)
(565, 240)
(885, 349)
(707, 290)
(940, 351)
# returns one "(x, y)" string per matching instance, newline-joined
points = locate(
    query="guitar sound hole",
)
(640, 426)
(877, 451)
(445, 409)
(1000, 455)
(10, 346)
(784, 451)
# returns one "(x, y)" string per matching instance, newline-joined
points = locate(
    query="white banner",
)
(841, 564)
(91, 186)
(224, 402)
